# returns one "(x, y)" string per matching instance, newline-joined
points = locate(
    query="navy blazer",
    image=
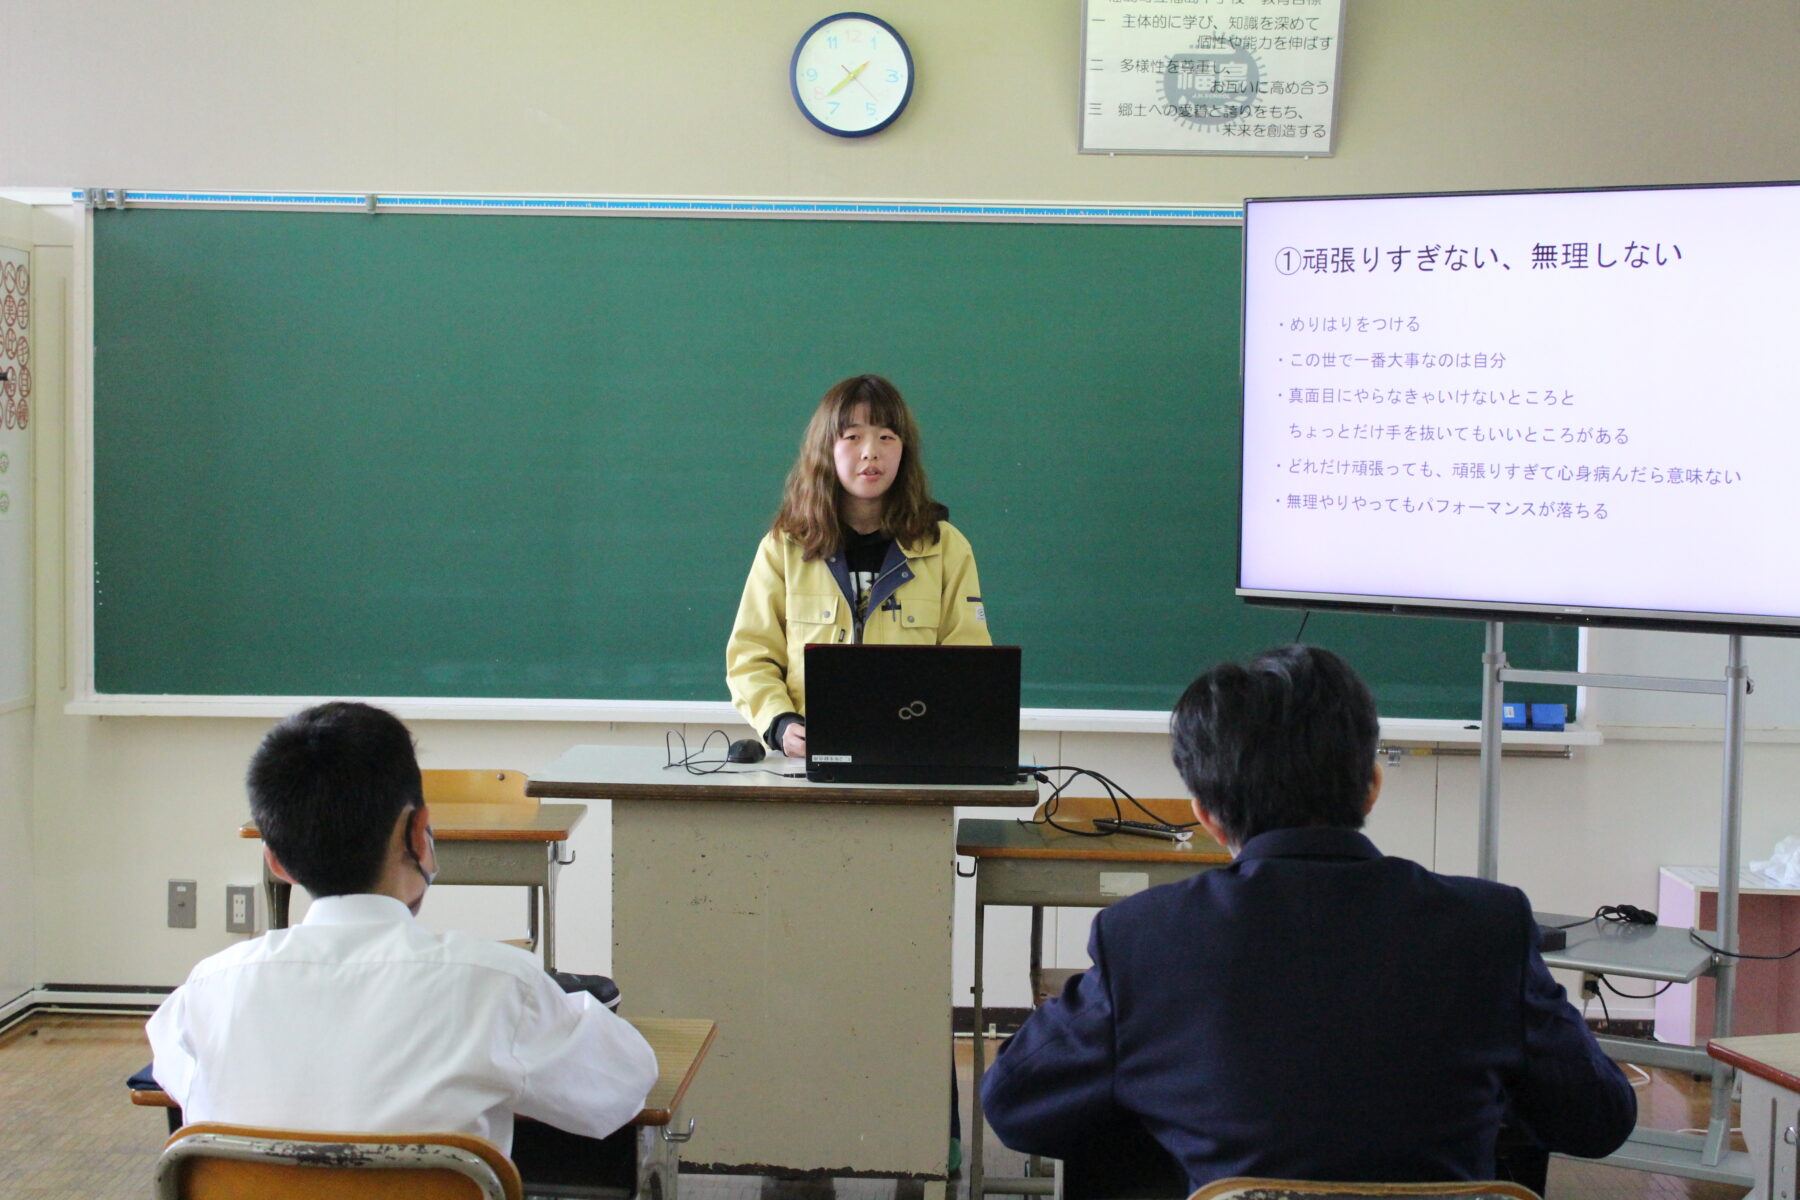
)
(1313, 1011)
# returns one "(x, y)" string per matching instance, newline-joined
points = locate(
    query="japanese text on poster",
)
(1209, 76)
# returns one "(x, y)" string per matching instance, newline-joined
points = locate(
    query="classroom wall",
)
(587, 97)
(18, 968)
(607, 96)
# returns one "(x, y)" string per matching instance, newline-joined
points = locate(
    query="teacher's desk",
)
(815, 921)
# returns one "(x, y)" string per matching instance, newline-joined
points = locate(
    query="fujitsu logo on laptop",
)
(915, 709)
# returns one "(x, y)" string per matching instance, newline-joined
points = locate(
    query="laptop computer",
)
(912, 714)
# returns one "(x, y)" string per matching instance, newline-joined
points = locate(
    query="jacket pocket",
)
(811, 618)
(916, 620)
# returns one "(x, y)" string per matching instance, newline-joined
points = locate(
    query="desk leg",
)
(1036, 1181)
(277, 892)
(1037, 949)
(1034, 1165)
(977, 1122)
(659, 1162)
(550, 870)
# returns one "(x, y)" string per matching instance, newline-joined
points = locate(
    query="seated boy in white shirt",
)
(359, 1019)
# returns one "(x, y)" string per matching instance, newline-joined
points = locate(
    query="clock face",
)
(852, 74)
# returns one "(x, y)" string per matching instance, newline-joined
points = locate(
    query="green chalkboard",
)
(529, 456)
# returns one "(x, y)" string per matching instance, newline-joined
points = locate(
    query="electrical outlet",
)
(1590, 986)
(240, 908)
(181, 903)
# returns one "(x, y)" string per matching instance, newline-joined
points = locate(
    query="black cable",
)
(1573, 924)
(691, 762)
(1046, 814)
(1613, 914)
(1695, 935)
(1305, 616)
(1114, 792)
(1630, 995)
(1625, 914)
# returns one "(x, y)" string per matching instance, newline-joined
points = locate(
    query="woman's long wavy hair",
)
(811, 500)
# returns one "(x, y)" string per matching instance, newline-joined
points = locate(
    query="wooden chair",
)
(1294, 1189)
(639, 1162)
(210, 1161)
(448, 790)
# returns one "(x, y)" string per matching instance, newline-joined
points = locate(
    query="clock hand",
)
(849, 76)
(859, 83)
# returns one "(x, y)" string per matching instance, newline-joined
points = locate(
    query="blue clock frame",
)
(794, 67)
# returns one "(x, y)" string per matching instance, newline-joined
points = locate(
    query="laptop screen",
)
(912, 714)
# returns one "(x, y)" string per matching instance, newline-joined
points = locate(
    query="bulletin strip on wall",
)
(639, 206)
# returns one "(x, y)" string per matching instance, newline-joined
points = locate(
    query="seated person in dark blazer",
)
(1316, 1010)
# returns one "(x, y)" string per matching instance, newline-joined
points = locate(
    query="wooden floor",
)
(69, 1130)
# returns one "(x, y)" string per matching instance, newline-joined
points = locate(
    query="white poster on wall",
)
(16, 395)
(1210, 76)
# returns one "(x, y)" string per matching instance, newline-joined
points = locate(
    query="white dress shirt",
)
(360, 1019)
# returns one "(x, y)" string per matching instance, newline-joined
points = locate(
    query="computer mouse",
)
(745, 750)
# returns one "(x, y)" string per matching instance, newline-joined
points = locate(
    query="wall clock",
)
(852, 74)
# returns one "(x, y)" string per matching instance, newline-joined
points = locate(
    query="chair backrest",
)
(476, 787)
(211, 1161)
(1296, 1189)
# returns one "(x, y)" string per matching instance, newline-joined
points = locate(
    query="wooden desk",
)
(1769, 1067)
(680, 1045)
(492, 844)
(1040, 866)
(815, 921)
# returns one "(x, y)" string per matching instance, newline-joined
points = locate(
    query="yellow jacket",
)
(925, 595)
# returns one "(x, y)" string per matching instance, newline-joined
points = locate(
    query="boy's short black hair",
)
(1283, 741)
(326, 787)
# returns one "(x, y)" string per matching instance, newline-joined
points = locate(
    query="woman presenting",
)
(859, 552)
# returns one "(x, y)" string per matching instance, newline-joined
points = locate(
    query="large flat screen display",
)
(1575, 405)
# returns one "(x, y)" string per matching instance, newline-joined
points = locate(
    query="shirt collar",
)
(1319, 841)
(363, 908)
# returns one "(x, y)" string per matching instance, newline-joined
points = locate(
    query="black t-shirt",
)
(863, 555)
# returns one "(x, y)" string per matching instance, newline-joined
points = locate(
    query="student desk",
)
(1038, 865)
(501, 844)
(680, 1045)
(815, 921)
(1769, 1068)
